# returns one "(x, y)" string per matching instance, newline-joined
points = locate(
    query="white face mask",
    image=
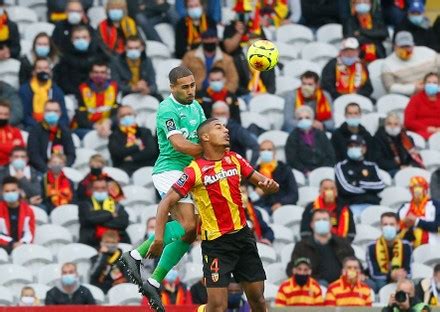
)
(308, 90)
(393, 131)
(28, 301)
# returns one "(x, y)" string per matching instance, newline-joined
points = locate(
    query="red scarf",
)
(217, 96)
(58, 189)
(182, 297)
(323, 108)
(114, 189)
(250, 211)
(194, 32)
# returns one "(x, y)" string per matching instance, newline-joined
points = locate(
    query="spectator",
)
(403, 70)
(393, 11)
(346, 74)
(349, 289)
(358, 180)
(418, 24)
(198, 293)
(272, 168)
(17, 221)
(114, 31)
(69, 291)
(49, 137)
(389, 257)
(57, 188)
(318, 13)
(420, 218)
(173, 291)
(77, 59)
(308, 148)
(213, 9)
(422, 114)
(300, 289)
(240, 138)
(134, 70)
(9, 36)
(366, 24)
(394, 147)
(272, 13)
(216, 91)
(28, 298)
(100, 213)
(63, 31)
(28, 178)
(10, 136)
(405, 290)
(37, 91)
(352, 125)
(435, 185)
(428, 289)
(104, 272)
(310, 94)
(341, 217)
(97, 101)
(9, 94)
(131, 147)
(190, 28)
(148, 265)
(57, 9)
(97, 164)
(236, 302)
(42, 47)
(325, 251)
(209, 55)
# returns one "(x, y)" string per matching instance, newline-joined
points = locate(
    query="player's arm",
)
(185, 146)
(268, 186)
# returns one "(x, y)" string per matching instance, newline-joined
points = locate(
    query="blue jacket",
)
(27, 95)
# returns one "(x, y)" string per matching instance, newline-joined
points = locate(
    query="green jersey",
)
(175, 118)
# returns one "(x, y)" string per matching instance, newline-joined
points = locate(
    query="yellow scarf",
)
(256, 83)
(131, 134)
(108, 205)
(383, 258)
(135, 69)
(267, 169)
(41, 95)
(4, 28)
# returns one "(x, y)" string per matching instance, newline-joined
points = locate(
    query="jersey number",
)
(214, 266)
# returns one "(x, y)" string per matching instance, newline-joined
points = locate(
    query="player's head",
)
(182, 84)
(213, 132)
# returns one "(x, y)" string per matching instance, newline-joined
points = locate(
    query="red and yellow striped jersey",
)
(215, 187)
(291, 294)
(340, 293)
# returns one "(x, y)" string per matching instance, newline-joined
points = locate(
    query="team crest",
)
(365, 173)
(215, 277)
(228, 160)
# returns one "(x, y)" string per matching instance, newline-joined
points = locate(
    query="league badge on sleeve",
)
(171, 125)
(183, 178)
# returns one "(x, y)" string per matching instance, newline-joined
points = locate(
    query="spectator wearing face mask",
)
(49, 137)
(404, 299)
(341, 217)
(36, 92)
(216, 91)
(347, 74)
(10, 95)
(358, 180)
(418, 24)
(9, 36)
(56, 9)
(395, 149)
(310, 94)
(300, 289)
(104, 272)
(28, 298)
(419, 219)
(404, 69)
(10, 137)
(308, 148)
(57, 188)
(100, 213)
(68, 290)
(422, 114)
(97, 101)
(42, 47)
(352, 125)
(236, 302)
(173, 291)
(428, 289)
(393, 11)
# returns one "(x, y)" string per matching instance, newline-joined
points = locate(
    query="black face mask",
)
(3, 122)
(43, 76)
(301, 279)
(209, 47)
(96, 171)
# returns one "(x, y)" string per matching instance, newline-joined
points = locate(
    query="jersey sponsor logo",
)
(193, 122)
(185, 133)
(206, 168)
(171, 125)
(210, 179)
(183, 178)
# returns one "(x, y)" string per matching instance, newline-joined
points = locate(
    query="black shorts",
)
(232, 254)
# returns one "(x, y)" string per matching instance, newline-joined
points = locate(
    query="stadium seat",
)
(371, 122)
(267, 253)
(248, 118)
(40, 291)
(167, 34)
(299, 177)
(294, 34)
(52, 236)
(76, 140)
(286, 253)
(41, 216)
(97, 293)
(147, 121)
(136, 232)
(72, 174)
(24, 135)
(79, 254)
(163, 86)
(193, 272)
(26, 47)
(403, 176)
(359, 253)
(283, 235)
(6, 297)
(286, 53)
(96, 15)
(319, 174)
(270, 291)
(32, 256)
(163, 67)
(296, 68)
(431, 159)
(366, 234)
(196, 253)
(420, 270)
(371, 215)
(125, 247)
(288, 215)
(157, 50)
(142, 177)
(138, 195)
(93, 141)
(82, 159)
(319, 52)
(286, 84)
(272, 106)
(34, 29)
(4, 257)
(307, 194)
(39, 6)
(428, 254)
(264, 214)
(392, 103)
(15, 277)
(385, 293)
(147, 213)
(279, 138)
(394, 196)
(133, 215)
(330, 33)
(141, 103)
(386, 177)
(49, 274)
(118, 175)
(375, 70)
(434, 142)
(342, 101)
(124, 294)
(67, 217)
(23, 16)
(419, 141)
(276, 273)
(9, 72)
(71, 106)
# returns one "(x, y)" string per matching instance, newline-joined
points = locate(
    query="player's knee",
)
(215, 305)
(257, 301)
(190, 235)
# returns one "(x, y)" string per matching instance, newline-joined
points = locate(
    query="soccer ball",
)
(262, 55)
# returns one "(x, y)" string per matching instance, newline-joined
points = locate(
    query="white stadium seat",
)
(330, 33)
(371, 215)
(26, 47)
(392, 103)
(39, 6)
(34, 29)
(375, 70)
(67, 216)
(52, 236)
(49, 274)
(167, 34)
(79, 254)
(138, 195)
(141, 103)
(428, 254)
(272, 106)
(419, 141)
(341, 102)
(319, 52)
(248, 118)
(431, 159)
(143, 177)
(283, 235)
(299, 177)
(365, 234)
(385, 293)
(124, 294)
(82, 159)
(294, 34)
(163, 67)
(125, 247)
(270, 291)
(296, 68)
(4, 257)
(434, 142)
(359, 253)
(287, 52)
(193, 272)
(93, 141)
(73, 174)
(32, 256)
(40, 290)
(196, 253)
(148, 212)
(420, 270)
(23, 16)
(76, 140)
(307, 194)
(157, 50)
(97, 293)
(394, 196)
(136, 232)
(371, 122)
(267, 253)
(403, 176)
(96, 15)
(286, 84)
(6, 297)
(286, 253)
(264, 214)
(319, 174)
(118, 175)
(9, 72)
(14, 277)
(277, 137)
(385, 177)
(276, 273)
(41, 216)
(288, 215)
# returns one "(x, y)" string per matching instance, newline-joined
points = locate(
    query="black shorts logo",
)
(183, 178)
(171, 125)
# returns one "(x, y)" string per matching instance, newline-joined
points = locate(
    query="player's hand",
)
(155, 249)
(269, 186)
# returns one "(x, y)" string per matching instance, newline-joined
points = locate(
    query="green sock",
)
(171, 255)
(173, 231)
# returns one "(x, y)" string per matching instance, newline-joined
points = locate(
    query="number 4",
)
(214, 266)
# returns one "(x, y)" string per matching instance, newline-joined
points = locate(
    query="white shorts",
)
(165, 180)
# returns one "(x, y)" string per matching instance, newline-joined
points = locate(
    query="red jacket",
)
(10, 137)
(422, 113)
(26, 224)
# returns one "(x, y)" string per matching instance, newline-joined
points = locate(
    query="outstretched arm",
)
(268, 186)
